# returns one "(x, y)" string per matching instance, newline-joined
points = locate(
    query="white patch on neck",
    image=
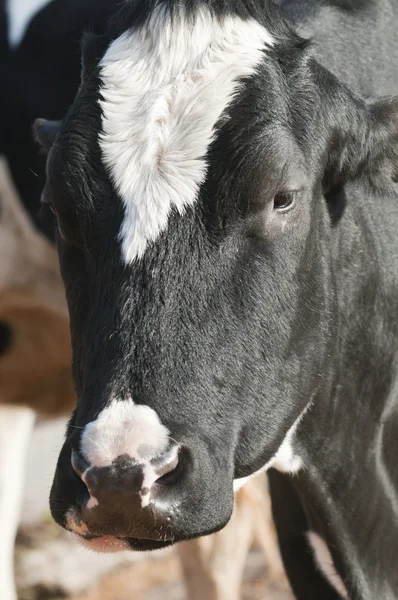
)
(324, 562)
(121, 428)
(20, 14)
(285, 458)
(165, 87)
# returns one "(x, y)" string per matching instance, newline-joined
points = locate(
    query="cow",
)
(223, 191)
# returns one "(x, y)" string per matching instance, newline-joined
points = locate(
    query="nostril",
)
(170, 469)
(79, 463)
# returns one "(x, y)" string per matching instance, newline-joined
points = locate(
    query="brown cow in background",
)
(35, 363)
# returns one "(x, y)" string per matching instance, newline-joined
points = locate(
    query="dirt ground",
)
(50, 565)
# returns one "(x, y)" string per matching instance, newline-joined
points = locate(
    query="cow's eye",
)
(284, 201)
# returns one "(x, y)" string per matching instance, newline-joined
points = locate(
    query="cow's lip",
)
(104, 543)
(143, 545)
(110, 544)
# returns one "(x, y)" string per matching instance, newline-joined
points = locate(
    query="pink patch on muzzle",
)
(106, 543)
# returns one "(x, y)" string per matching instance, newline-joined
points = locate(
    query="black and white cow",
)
(227, 226)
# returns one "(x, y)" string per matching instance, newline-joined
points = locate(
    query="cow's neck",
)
(348, 476)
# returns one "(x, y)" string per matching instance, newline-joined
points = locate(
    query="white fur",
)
(121, 428)
(93, 502)
(164, 88)
(74, 523)
(324, 562)
(285, 458)
(20, 14)
(16, 425)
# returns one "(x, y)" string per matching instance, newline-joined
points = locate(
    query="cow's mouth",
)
(146, 545)
(109, 544)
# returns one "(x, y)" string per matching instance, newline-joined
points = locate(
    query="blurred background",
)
(40, 74)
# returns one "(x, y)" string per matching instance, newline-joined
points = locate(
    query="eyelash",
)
(285, 201)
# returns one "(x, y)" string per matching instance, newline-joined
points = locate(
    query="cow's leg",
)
(213, 566)
(193, 557)
(15, 427)
(263, 526)
(292, 527)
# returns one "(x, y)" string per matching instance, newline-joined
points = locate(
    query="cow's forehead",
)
(164, 88)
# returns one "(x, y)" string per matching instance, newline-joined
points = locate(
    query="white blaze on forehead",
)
(20, 14)
(164, 88)
(122, 428)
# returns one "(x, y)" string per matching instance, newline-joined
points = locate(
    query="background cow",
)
(40, 71)
(226, 221)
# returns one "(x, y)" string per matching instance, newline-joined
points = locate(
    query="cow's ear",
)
(93, 48)
(361, 137)
(45, 132)
(381, 165)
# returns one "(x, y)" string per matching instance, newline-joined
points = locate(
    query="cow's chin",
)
(110, 544)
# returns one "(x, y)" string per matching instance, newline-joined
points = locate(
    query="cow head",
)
(191, 186)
